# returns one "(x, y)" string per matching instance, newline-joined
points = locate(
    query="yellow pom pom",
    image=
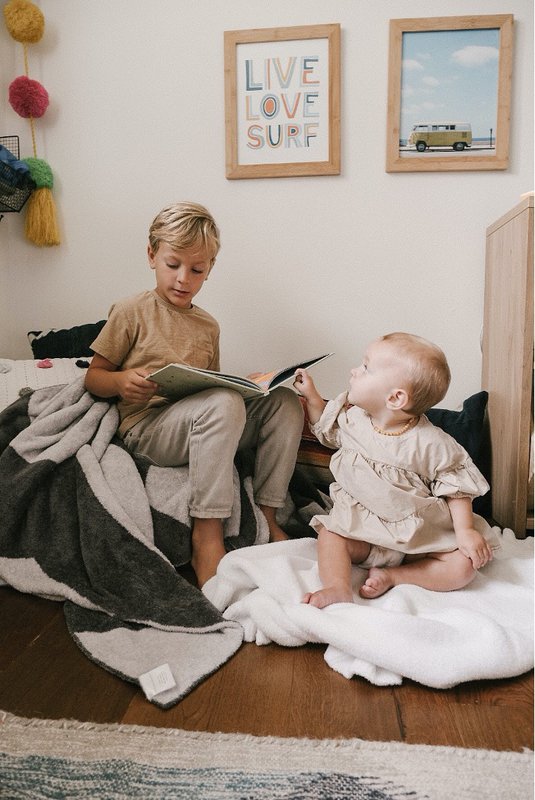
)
(24, 21)
(41, 224)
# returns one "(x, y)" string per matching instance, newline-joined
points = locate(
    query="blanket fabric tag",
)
(157, 680)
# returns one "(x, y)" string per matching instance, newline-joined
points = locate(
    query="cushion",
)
(468, 427)
(65, 342)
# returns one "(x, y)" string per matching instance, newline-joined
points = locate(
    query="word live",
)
(274, 73)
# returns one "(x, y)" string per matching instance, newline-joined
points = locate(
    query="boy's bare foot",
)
(276, 534)
(328, 596)
(377, 583)
(207, 548)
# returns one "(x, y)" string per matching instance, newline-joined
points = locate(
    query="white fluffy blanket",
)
(437, 639)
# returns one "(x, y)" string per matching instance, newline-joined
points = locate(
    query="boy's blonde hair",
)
(428, 371)
(185, 226)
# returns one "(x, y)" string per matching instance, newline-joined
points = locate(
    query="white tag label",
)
(156, 681)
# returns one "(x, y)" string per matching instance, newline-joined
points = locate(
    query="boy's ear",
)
(397, 400)
(150, 254)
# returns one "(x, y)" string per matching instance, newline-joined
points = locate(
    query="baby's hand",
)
(303, 383)
(474, 546)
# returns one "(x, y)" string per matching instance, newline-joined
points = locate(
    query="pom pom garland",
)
(27, 97)
(41, 225)
(41, 221)
(40, 172)
(24, 21)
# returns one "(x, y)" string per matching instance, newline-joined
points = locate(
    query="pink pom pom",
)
(28, 98)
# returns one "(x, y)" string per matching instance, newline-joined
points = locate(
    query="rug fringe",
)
(6, 718)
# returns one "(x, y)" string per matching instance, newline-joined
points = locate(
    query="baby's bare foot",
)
(377, 583)
(328, 596)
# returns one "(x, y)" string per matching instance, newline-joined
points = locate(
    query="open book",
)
(179, 380)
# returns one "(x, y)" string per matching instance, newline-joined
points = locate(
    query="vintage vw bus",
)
(457, 135)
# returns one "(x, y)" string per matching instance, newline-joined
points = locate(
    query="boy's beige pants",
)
(205, 430)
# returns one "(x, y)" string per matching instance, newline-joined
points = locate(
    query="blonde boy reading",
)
(402, 497)
(205, 430)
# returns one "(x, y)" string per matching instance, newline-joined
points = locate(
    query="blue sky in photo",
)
(450, 76)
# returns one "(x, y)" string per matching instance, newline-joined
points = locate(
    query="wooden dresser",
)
(508, 364)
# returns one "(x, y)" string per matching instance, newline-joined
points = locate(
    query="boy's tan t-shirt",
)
(145, 332)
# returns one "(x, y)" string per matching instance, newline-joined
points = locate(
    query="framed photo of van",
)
(449, 93)
(282, 101)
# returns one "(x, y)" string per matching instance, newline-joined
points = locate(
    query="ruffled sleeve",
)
(327, 429)
(462, 480)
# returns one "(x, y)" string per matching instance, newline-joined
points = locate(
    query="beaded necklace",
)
(409, 424)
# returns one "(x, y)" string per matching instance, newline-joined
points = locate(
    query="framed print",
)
(282, 101)
(449, 93)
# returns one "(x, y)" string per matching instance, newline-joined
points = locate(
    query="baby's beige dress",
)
(391, 491)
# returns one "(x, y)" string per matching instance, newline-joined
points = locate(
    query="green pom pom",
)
(40, 173)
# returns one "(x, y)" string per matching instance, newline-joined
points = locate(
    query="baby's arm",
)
(470, 542)
(305, 386)
(105, 379)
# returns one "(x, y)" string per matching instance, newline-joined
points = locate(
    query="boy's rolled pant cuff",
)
(210, 513)
(270, 503)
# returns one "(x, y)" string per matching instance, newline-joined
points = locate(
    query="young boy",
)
(204, 430)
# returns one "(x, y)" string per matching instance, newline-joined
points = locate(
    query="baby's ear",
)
(397, 400)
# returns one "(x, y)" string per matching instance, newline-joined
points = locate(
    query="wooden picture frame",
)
(282, 101)
(456, 59)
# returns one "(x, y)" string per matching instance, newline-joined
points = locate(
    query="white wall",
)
(136, 120)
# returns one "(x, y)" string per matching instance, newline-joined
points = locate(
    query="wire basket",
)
(15, 188)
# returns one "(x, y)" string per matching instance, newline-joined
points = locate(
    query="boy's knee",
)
(289, 404)
(225, 404)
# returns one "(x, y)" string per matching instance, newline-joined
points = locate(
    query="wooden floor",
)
(268, 690)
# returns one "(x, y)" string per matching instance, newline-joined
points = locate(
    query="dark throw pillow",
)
(468, 427)
(65, 342)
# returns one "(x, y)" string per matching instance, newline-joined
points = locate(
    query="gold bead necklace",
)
(409, 424)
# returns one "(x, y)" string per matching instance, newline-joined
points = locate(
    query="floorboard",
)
(263, 691)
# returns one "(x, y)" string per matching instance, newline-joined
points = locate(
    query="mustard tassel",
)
(41, 223)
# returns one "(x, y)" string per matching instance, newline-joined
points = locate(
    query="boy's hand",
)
(134, 387)
(474, 546)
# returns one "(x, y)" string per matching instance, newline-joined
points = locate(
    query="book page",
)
(265, 379)
(283, 375)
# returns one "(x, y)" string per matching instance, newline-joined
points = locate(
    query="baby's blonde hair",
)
(428, 371)
(185, 226)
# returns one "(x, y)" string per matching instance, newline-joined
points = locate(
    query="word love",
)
(281, 91)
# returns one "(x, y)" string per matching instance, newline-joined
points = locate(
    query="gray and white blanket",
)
(86, 523)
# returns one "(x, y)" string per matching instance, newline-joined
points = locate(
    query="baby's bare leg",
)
(440, 572)
(335, 556)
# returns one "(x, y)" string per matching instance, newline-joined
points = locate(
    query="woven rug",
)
(68, 759)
